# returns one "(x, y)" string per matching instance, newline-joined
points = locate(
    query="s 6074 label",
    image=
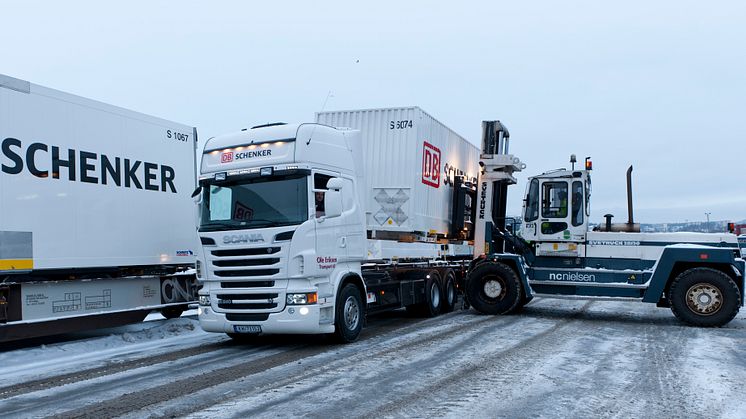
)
(403, 124)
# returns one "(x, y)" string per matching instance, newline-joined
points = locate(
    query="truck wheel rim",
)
(351, 313)
(704, 299)
(434, 295)
(493, 288)
(450, 293)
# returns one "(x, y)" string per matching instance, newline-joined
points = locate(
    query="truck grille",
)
(246, 262)
(252, 280)
(246, 252)
(247, 272)
(261, 301)
(248, 284)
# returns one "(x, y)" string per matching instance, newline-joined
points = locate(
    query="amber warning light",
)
(588, 164)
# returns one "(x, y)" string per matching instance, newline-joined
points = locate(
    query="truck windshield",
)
(254, 203)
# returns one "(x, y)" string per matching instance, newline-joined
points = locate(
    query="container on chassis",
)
(97, 226)
(410, 161)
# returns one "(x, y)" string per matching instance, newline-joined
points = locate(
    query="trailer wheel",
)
(433, 295)
(449, 292)
(704, 297)
(493, 288)
(349, 312)
(172, 312)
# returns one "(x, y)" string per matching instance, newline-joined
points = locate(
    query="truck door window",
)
(532, 202)
(577, 203)
(554, 200)
(319, 188)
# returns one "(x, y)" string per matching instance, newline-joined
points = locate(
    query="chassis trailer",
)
(306, 228)
(699, 276)
(96, 226)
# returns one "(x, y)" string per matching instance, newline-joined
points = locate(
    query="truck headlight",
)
(302, 299)
(204, 300)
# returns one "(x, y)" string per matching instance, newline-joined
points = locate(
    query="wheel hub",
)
(435, 295)
(704, 299)
(351, 313)
(492, 288)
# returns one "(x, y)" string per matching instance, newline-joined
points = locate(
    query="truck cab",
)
(556, 211)
(281, 230)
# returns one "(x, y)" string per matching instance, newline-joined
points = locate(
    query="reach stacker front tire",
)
(349, 314)
(493, 288)
(704, 297)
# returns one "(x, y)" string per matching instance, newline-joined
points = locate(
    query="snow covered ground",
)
(558, 358)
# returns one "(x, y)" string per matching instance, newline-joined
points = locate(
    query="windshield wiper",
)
(267, 223)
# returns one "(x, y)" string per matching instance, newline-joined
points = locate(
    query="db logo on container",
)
(430, 165)
(226, 157)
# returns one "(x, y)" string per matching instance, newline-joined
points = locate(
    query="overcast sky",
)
(660, 85)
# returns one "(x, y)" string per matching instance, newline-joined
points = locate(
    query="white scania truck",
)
(96, 219)
(306, 228)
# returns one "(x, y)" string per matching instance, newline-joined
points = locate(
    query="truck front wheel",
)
(704, 297)
(349, 314)
(493, 288)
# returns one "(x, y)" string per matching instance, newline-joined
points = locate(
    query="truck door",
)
(554, 218)
(330, 244)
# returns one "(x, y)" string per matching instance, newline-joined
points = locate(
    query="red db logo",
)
(226, 157)
(430, 165)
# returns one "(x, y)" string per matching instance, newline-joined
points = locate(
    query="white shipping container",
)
(85, 184)
(410, 162)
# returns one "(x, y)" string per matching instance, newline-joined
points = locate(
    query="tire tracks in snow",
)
(211, 377)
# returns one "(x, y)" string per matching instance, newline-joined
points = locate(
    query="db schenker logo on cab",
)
(226, 157)
(430, 165)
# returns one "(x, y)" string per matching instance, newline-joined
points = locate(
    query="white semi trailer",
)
(96, 221)
(306, 228)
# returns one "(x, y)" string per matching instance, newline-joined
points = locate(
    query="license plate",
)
(247, 329)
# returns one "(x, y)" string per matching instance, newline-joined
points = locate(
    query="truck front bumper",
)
(277, 323)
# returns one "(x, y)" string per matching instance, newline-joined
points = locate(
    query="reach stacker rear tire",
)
(493, 288)
(704, 297)
(349, 314)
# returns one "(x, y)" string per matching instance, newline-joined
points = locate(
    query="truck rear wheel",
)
(433, 302)
(433, 295)
(449, 292)
(493, 288)
(349, 314)
(704, 297)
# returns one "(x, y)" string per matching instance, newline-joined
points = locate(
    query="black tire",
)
(704, 297)
(433, 295)
(450, 295)
(349, 314)
(172, 312)
(493, 288)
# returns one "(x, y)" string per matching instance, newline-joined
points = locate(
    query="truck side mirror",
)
(333, 198)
